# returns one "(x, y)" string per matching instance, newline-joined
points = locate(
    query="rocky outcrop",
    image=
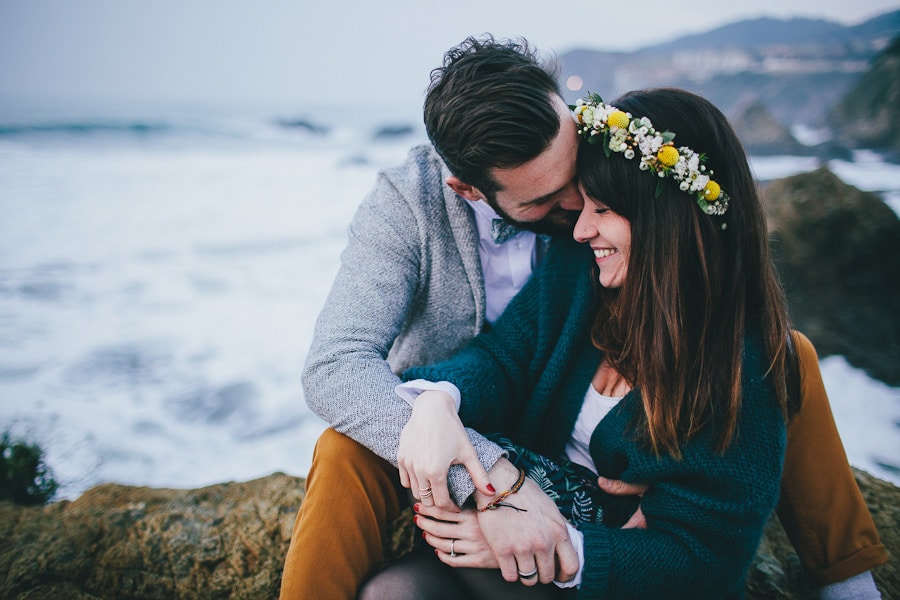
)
(838, 253)
(869, 115)
(761, 133)
(229, 541)
(119, 542)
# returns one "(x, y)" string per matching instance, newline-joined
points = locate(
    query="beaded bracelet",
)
(496, 502)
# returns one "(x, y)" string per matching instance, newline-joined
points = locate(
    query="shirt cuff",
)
(858, 587)
(410, 390)
(577, 539)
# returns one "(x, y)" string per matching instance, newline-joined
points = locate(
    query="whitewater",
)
(161, 272)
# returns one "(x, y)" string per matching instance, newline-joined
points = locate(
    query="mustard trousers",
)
(353, 495)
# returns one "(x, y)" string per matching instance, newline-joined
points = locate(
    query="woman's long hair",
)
(696, 284)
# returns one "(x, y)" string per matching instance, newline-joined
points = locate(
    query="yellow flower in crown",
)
(619, 119)
(668, 156)
(712, 191)
(622, 133)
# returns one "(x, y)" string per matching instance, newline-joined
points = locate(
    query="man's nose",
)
(570, 198)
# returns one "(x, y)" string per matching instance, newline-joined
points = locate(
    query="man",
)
(423, 273)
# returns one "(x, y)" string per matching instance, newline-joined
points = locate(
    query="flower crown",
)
(626, 134)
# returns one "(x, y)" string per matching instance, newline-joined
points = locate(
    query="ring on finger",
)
(452, 552)
(425, 492)
(529, 574)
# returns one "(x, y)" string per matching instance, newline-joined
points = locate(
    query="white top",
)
(594, 408)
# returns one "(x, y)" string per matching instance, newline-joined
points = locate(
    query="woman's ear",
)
(467, 191)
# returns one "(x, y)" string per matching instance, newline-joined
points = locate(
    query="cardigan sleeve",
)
(511, 376)
(497, 373)
(705, 512)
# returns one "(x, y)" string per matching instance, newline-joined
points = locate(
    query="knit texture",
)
(705, 512)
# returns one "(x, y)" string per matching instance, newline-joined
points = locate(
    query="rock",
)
(304, 125)
(838, 253)
(392, 132)
(116, 542)
(762, 134)
(229, 541)
(868, 116)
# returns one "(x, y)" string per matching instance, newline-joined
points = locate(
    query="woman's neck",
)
(609, 382)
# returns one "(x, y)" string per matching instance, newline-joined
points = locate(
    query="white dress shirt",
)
(505, 267)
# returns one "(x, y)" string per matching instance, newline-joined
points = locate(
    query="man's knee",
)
(343, 452)
(332, 443)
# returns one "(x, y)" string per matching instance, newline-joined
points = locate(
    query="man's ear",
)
(466, 190)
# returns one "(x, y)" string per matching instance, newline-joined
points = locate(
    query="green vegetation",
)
(24, 476)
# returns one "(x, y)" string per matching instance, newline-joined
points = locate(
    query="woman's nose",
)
(583, 230)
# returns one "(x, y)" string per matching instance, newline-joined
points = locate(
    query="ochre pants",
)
(821, 507)
(352, 496)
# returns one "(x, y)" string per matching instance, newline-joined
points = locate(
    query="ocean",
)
(161, 269)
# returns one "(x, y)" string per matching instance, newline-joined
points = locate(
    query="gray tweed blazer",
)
(409, 291)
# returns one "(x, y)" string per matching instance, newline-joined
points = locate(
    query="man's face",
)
(542, 195)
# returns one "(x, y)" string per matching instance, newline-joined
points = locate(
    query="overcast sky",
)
(344, 52)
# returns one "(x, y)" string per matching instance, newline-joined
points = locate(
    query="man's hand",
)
(530, 538)
(432, 440)
(617, 487)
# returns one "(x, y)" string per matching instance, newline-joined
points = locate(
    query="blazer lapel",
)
(465, 235)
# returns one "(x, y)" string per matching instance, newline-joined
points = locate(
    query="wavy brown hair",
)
(697, 285)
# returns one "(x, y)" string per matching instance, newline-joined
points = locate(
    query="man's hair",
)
(491, 105)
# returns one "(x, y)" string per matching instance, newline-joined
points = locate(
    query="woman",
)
(685, 354)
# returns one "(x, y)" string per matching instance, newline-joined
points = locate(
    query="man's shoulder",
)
(423, 167)
(417, 184)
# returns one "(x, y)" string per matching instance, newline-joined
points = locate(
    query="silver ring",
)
(452, 553)
(425, 492)
(529, 575)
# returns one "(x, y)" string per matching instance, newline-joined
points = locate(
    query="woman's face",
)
(609, 235)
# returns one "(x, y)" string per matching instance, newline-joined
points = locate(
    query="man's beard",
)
(557, 222)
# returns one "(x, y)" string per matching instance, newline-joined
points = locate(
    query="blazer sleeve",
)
(347, 380)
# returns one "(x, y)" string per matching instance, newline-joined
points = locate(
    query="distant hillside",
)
(793, 70)
(869, 115)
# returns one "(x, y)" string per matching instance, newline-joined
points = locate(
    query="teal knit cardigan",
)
(527, 377)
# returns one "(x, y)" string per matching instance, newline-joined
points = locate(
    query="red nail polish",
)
(491, 489)
(416, 507)
(415, 521)
(423, 536)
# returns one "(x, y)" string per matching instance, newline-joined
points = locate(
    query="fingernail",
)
(416, 507)
(415, 521)
(601, 481)
(423, 536)
(491, 489)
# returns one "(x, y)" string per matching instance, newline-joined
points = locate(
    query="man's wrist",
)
(502, 475)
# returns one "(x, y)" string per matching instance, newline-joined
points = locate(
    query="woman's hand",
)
(455, 536)
(432, 440)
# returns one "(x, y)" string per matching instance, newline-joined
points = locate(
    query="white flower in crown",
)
(625, 134)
